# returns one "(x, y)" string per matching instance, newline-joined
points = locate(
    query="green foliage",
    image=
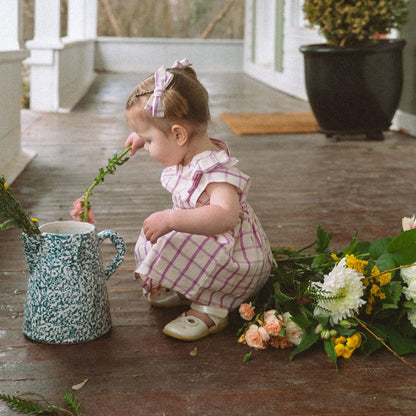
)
(12, 212)
(350, 23)
(22, 404)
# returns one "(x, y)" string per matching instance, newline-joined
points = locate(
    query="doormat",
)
(270, 123)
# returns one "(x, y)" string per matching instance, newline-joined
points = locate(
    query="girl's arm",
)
(220, 216)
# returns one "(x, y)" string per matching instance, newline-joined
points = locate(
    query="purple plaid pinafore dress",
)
(222, 270)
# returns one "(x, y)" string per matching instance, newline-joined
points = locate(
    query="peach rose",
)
(272, 325)
(257, 337)
(246, 311)
(269, 315)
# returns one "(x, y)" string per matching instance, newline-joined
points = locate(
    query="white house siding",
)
(261, 15)
(263, 42)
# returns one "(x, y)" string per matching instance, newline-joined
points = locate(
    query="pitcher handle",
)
(119, 245)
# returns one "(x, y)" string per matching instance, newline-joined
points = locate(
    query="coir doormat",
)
(270, 123)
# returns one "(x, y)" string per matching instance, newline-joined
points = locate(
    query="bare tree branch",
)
(211, 25)
(111, 18)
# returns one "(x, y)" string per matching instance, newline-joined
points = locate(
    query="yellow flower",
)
(365, 281)
(340, 340)
(5, 186)
(375, 271)
(335, 257)
(356, 264)
(354, 341)
(339, 349)
(34, 220)
(384, 279)
(368, 309)
(375, 290)
(347, 353)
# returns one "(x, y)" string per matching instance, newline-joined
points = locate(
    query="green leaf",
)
(309, 338)
(403, 247)
(301, 320)
(248, 356)
(401, 344)
(7, 224)
(379, 247)
(385, 262)
(370, 343)
(319, 261)
(393, 293)
(330, 350)
(323, 240)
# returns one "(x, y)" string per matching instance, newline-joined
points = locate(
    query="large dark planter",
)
(354, 90)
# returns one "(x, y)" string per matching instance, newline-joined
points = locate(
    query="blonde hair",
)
(185, 98)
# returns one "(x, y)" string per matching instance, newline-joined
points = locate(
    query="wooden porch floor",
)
(298, 182)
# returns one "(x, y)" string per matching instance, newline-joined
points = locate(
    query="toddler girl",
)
(209, 250)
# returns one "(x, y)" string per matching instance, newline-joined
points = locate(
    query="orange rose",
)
(257, 337)
(272, 325)
(246, 311)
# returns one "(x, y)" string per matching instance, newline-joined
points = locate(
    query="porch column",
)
(13, 158)
(11, 27)
(44, 60)
(82, 19)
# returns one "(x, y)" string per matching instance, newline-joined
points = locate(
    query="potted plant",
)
(354, 81)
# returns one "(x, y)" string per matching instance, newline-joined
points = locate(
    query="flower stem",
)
(117, 160)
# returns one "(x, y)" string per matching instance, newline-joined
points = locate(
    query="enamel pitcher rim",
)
(66, 227)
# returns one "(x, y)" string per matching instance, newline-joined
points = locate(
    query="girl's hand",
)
(156, 225)
(135, 141)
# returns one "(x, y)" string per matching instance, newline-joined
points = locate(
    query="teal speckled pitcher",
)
(67, 299)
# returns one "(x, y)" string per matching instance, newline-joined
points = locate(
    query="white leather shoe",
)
(166, 298)
(190, 328)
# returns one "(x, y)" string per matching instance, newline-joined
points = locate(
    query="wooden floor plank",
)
(298, 182)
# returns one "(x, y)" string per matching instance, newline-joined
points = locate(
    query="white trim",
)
(405, 122)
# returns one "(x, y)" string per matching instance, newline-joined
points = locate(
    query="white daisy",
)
(346, 284)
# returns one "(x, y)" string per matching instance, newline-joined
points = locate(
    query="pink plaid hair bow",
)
(162, 80)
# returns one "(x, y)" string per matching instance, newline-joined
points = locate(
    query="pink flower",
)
(78, 210)
(408, 223)
(272, 325)
(246, 311)
(257, 337)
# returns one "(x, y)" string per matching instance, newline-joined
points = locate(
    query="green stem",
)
(116, 160)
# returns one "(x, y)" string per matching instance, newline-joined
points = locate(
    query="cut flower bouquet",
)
(363, 297)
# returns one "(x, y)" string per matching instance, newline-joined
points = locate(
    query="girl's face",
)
(161, 146)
